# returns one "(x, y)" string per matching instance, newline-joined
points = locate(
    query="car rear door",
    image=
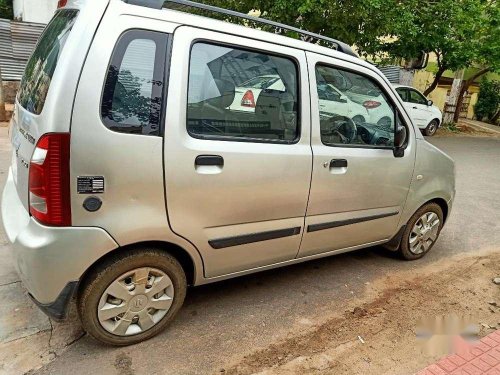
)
(237, 181)
(359, 186)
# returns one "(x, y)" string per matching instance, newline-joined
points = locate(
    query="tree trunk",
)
(494, 119)
(434, 83)
(464, 88)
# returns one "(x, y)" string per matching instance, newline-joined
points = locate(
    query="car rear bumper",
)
(48, 259)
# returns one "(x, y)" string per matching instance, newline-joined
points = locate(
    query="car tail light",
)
(49, 190)
(371, 104)
(61, 3)
(248, 100)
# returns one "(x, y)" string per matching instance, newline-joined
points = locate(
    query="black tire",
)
(404, 247)
(100, 278)
(432, 128)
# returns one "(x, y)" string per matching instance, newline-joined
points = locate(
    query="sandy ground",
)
(377, 334)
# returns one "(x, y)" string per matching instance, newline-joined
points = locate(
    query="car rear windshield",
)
(43, 61)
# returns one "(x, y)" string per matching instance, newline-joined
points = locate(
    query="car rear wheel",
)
(421, 232)
(132, 297)
(431, 129)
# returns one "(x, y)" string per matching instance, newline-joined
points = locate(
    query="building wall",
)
(39, 11)
(423, 79)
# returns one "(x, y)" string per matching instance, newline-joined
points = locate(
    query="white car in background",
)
(424, 114)
(331, 100)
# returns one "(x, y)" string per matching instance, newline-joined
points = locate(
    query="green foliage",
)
(460, 32)
(356, 22)
(6, 9)
(488, 102)
(451, 126)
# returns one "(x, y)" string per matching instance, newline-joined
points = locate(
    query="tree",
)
(356, 22)
(448, 28)
(488, 102)
(488, 49)
(6, 9)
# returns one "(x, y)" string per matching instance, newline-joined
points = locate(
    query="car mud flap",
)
(393, 244)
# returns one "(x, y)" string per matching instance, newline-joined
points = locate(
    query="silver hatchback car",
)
(135, 171)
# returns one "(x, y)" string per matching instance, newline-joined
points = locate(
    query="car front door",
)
(237, 181)
(358, 186)
(421, 112)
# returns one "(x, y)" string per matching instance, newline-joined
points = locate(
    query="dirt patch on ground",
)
(378, 334)
(463, 129)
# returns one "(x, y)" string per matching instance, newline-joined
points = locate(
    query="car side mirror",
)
(400, 141)
(430, 103)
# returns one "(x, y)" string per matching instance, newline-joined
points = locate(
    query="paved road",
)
(224, 321)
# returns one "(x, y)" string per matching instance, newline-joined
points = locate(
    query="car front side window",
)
(417, 98)
(362, 117)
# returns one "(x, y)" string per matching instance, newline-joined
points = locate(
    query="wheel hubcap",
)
(135, 302)
(424, 233)
(432, 128)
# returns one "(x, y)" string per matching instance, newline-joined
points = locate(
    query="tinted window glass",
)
(132, 97)
(42, 64)
(236, 93)
(416, 97)
(403, 93)
(353, 110)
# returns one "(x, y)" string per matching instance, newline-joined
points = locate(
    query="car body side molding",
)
(253, 237)
(341, 223)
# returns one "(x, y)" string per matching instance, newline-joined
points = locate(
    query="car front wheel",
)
(421, 232)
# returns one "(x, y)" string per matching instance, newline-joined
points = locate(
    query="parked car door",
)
(359, 186)
(417, 105)
(237, 182)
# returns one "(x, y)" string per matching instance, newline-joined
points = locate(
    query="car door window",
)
(403, 93)
(366, 99)
(240, 94)
(417, 98)
(132, 96)
(327, 92)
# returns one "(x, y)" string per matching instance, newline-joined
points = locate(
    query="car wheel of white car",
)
(431, 129)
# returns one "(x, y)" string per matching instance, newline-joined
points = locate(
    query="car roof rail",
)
(159, 4)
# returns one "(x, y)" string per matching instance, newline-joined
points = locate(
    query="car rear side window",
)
(42, 64)
(242, 95)
(135, 82)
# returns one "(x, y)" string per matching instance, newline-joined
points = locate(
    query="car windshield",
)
(42, 64)
(260, 82)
